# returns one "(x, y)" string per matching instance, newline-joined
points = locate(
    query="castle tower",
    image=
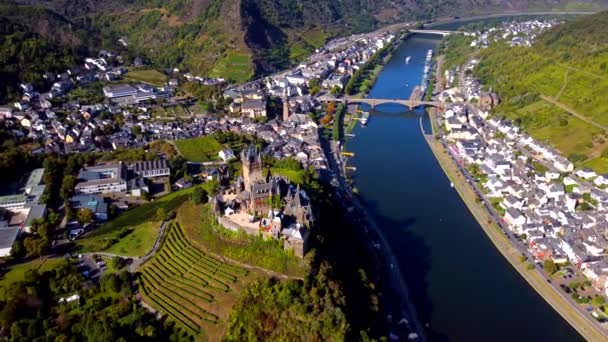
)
(285, 109)
(252, 166)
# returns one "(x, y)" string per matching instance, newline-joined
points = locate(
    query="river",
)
(461, 286)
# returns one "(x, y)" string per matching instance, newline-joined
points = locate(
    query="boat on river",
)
(364, 118)
(408, 59)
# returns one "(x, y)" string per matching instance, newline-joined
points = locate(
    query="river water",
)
(462, 287)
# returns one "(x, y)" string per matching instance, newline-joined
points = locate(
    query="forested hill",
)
(237, 39)
(35, 40)
(557, 88)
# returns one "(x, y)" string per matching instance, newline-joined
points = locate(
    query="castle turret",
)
(252, 166)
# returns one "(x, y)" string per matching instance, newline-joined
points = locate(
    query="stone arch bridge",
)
(411, 104)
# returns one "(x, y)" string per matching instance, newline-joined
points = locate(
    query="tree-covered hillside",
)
(34, 41)
(237, 39)
(556, 88)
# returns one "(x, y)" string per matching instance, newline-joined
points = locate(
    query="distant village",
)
(256, 202)
(559, 211)
(516, 33)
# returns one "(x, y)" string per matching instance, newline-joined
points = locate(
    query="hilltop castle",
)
(261, 193)
(276, 207)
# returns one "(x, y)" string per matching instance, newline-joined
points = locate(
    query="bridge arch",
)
(411, 104)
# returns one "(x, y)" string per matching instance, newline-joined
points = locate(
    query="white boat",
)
(364, 118)
(451, 185)
(408, 59)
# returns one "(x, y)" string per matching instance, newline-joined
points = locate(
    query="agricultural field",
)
(235, 67)
(599, 165)
(299, 50)
(314, 37)
(150, 76)
(203, 230)
(193, 288)
(201, 149)
(133, 231)
(549, 123)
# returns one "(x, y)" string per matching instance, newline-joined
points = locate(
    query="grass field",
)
(295, 176)
(139, 241)
(203, 231)
(199, 149)
(150, 76)
(192, 288)
(236, 67)
(17, 272)
(130, 229)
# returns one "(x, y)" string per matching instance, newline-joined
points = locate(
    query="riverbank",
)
(375, 68)
(581, 323)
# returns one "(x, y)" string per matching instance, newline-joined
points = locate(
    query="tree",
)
(550, 266)
(67, 186)
(35, 247)
(146, 196)
(199, 195)
(161, 214)
(17, 251)
(336, 91)
(85, 215)
(111, 282)
(313, 86)
(116, 263)
(136, 130)
(331, 108)
(599, 300)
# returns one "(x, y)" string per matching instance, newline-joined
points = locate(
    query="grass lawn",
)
(125, 227)
(199, 149)
(139, 241)
(236, 67)
(17, 272)
(296, 176)
(150, 76)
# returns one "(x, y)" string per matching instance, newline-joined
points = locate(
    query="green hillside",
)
(556, 89)
(237, 39)
(33, 41)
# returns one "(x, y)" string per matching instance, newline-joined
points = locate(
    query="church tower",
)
(285, 109)
(252, 166)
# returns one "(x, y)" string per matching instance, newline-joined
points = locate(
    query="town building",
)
(254, 108)
(119, 90)
(151, 168)
(101, 179)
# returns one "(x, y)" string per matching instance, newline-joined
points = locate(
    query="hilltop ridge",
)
(237, 39)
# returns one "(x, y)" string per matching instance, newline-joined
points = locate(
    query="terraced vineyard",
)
(194, 289)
